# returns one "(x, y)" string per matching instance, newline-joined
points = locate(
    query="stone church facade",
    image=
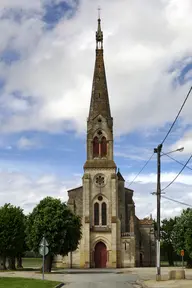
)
(112, 234)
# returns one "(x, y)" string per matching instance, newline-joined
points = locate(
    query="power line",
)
(177, 174)
(178, 162)
(176, 201)
(164, 138)
(177, 115)
(141, 170)
(158, 151)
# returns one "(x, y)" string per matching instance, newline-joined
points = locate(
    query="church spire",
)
(99, 122)
(99, 33)
(99, 99)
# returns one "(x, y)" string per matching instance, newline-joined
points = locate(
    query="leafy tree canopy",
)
(12, 230)
(57, 223)
(167, 226)
(182, 233)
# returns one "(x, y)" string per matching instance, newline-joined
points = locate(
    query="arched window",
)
(103, 147)
(104, 213)
(95, 147)
(96, 214)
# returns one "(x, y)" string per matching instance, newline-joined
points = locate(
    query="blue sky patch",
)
(2, 84)
(57, 152)
(21, 96)
(182, 68)
(18, 15)
(183, 77)
(14, 14)
(8, 56)
(54, 12)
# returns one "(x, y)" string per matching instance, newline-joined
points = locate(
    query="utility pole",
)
(158, 151)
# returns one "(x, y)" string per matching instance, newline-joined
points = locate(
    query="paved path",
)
(84, 280)
(168, 284)
(111, 278)
(149, 273)
(106, 280)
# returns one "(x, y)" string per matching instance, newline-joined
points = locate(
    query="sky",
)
(47, 56)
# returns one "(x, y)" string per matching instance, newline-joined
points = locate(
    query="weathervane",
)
(99, 12)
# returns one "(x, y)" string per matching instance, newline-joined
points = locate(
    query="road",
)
(103, 280)
(84, 279)
(91, 278)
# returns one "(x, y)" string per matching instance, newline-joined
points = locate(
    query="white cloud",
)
(132, 154)
(186, 142)
(20, 190)
(56, 66)
(24, 191)
(26, 143)
(21, 4)
(166, 177)
(146, 203)
(55, 72)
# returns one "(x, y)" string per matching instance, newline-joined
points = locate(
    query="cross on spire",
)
(99, 12)
(99, 33)
(99, 99)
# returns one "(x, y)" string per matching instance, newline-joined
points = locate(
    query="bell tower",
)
(100, 122)
(100, 243)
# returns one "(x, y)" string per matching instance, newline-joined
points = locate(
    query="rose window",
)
(100, 180)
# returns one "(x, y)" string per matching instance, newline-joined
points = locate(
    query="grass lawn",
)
(176, 263)
(26, 283)
(29, 264)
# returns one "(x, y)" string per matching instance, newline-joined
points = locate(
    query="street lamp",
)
(159, 152)
(177, 150)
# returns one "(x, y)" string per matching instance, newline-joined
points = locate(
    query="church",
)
(112, 235)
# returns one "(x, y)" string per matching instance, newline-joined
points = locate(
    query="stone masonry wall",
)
(147, 245)
(128, 251)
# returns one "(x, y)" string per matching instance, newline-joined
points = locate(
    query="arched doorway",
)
(100, 255)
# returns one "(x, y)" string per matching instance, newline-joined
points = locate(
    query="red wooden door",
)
(100, 256)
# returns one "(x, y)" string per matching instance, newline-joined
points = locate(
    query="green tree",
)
(21, 253)
(182, 235)
(12, 233)
(58, 224)
(167, 227)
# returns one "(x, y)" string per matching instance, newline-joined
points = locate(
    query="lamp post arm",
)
(177, 150)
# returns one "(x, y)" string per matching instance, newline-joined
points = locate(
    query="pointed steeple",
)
(99, 33)
(99, 129)
(99, 98)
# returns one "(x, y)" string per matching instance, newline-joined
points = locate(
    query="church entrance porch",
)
(100, 255)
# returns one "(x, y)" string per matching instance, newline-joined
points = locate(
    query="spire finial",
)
(99, 33)
(99, 12)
